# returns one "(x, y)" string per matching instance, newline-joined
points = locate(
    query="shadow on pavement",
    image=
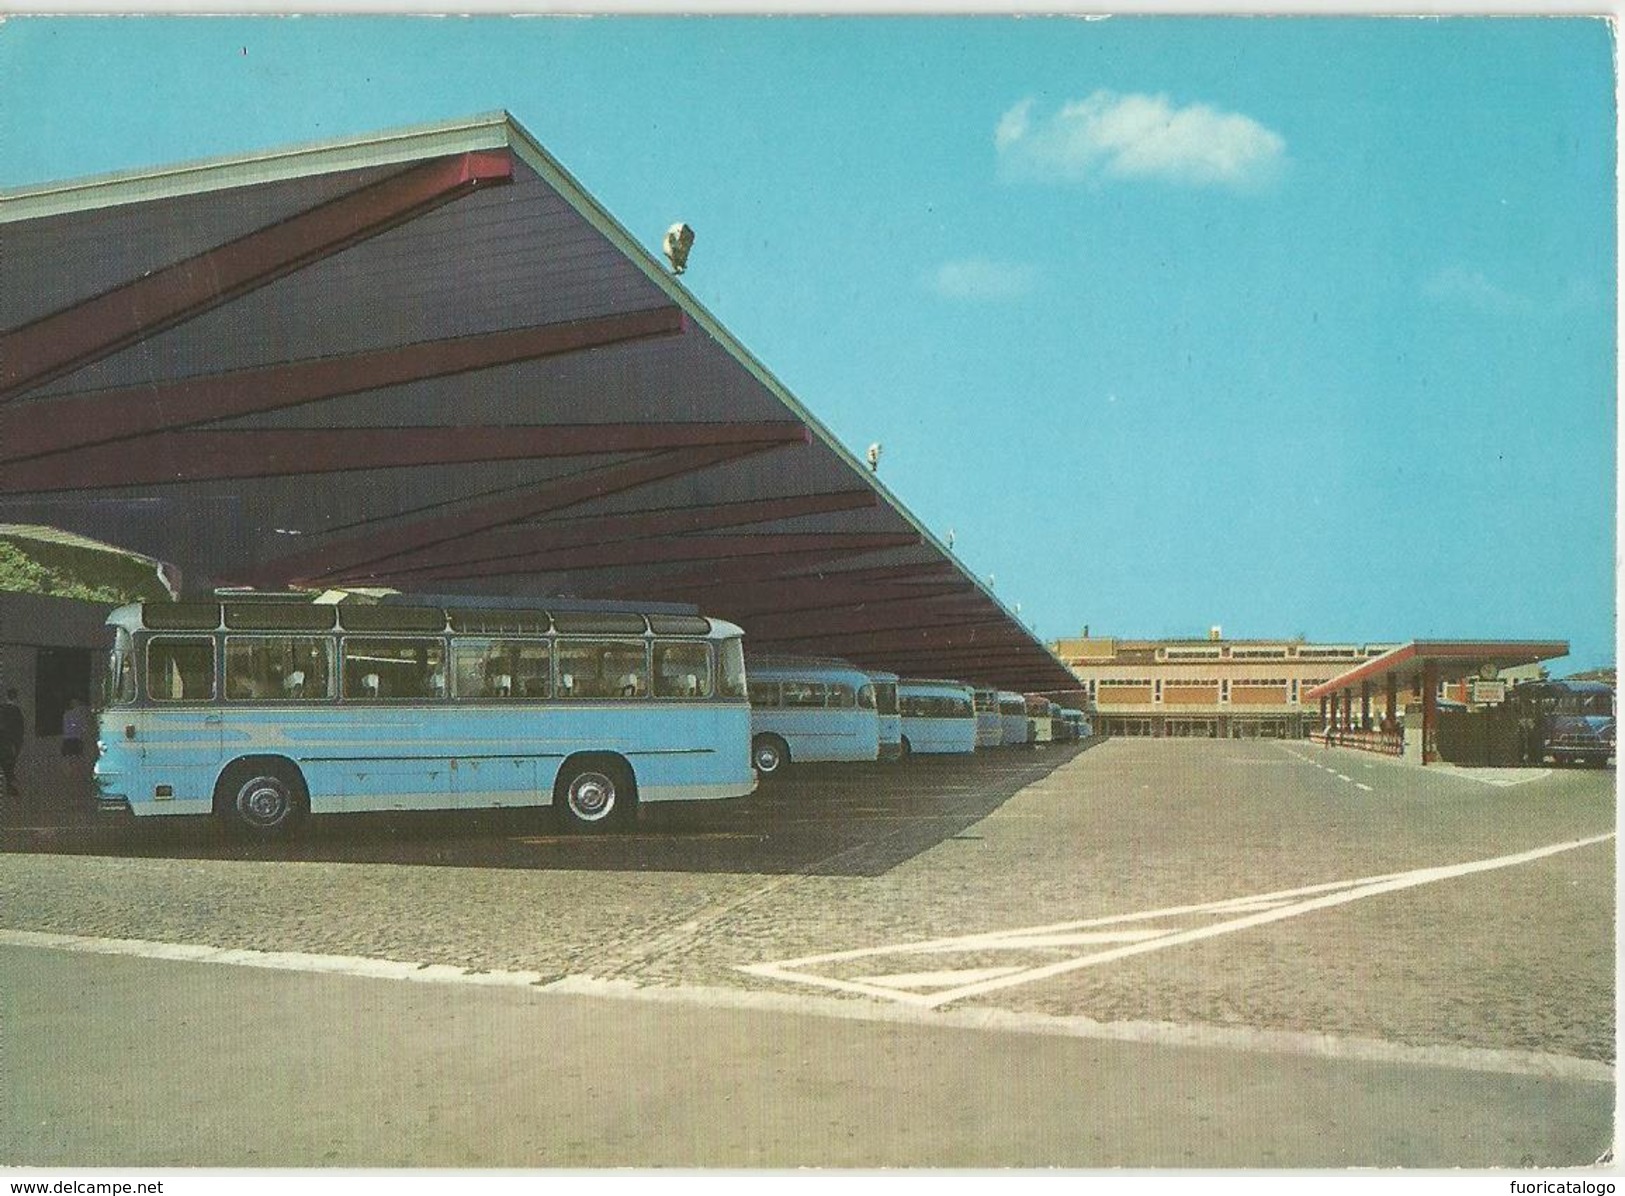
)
(816, 819)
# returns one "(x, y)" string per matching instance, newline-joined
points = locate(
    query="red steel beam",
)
(988, 631)
(821, 596)
(952, 611)
(98, 417)
(919, 570)
(350, 557)
(1003, 655)
(241, 453)
(725, 574)
(698, 588)
(515, 539)
(675, 548)
(792, 586)
(95, 328)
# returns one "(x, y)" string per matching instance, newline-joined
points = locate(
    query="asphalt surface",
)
(135, 1063)
(1315, 1023)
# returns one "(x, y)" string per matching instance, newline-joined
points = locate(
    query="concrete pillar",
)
(1365, 705)
(1430, 711)
(1393, 697)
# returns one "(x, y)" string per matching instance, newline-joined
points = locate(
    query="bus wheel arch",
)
(595, 791)
(769, 753)
(262, 797)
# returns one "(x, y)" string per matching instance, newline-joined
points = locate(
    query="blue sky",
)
(1290, 325)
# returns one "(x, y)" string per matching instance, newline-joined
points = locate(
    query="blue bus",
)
(989, 721)
(891, 722)
(1570, 721)
(805, 709)
(263, 712)
(1013, 714)
(938, 716)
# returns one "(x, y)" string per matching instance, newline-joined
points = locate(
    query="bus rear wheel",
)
(262, 799)
(594, 794)
(769, 754)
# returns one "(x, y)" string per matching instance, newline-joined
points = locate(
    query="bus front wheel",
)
(594, 793)
(769, 754)
(262, 799)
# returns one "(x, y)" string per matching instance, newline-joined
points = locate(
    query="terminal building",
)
(1215, 688)
(1211, 688)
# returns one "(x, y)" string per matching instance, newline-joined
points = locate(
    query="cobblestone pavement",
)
(838, 858)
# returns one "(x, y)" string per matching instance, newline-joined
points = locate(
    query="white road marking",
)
(939, 979)
(1280, 1042)
(1256, 910)
(283, 961)
(1501, 778)
(1362, 785)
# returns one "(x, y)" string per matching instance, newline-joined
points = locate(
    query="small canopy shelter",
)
(1416, 669)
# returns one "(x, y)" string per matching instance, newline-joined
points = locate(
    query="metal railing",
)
(1388, 743)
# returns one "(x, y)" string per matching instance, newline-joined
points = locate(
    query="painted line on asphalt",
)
(1505, 1061)
(1256, 910)
(1501, 778)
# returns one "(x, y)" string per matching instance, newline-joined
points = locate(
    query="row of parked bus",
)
(806, 709)
(263, 711)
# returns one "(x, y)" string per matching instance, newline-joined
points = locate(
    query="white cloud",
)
(1137, 136)
(981, 278)
(1472, 288)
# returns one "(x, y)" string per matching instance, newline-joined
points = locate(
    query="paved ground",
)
(230, 1067)
(1066, 864)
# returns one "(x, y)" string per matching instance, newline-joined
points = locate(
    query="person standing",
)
(12, 732)
(75, 726)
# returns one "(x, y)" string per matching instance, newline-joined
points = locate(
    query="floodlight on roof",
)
(679, 240)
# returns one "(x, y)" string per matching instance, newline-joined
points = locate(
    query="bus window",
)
(842, 696)
(119, 683)
(866, 697)
(803, 693)
(502, 670)
(731, 662)
(278, 667)
(765, 694)
(395, 668)
(682, 670)
(603, 669)
(180, 668)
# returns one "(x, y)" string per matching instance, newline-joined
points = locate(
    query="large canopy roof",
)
(429, 360)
